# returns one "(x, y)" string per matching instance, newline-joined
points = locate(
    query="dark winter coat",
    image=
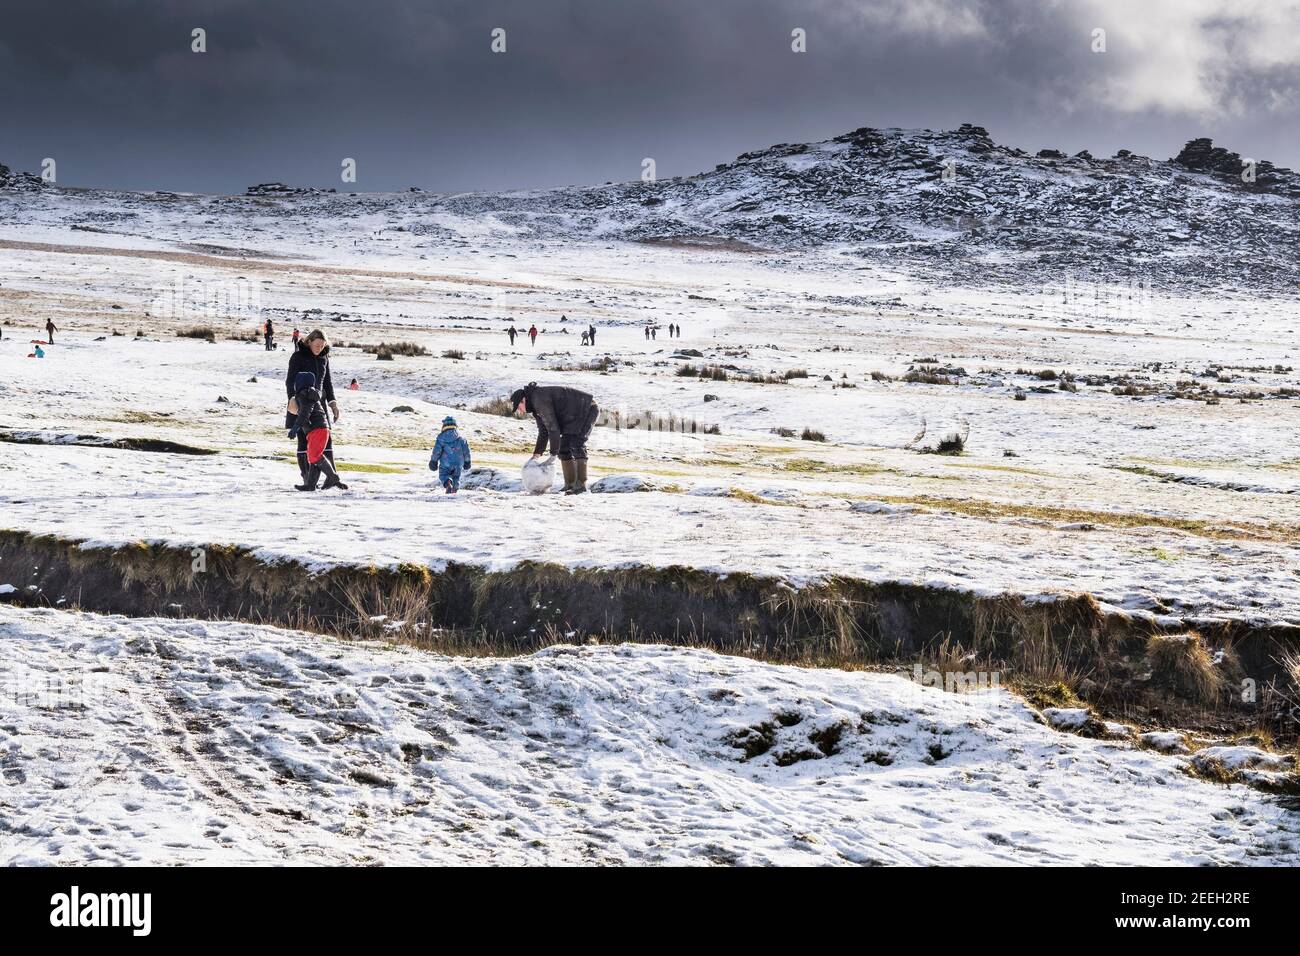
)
(311, 412)
(559, 410)
(319, 365)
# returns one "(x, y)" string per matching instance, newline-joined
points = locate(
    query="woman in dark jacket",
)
(311, 355)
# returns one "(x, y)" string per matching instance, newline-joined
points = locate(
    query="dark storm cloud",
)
(587, 88)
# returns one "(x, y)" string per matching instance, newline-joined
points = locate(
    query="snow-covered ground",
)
(1134, 442)
(153, 741)
(1154, 504)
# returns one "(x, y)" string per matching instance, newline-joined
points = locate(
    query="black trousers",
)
(303, 465)
(573, 445)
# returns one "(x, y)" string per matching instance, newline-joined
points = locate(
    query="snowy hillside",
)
(150, 741)
(954, 205)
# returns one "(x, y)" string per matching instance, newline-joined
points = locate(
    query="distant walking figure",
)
(654, 333)
(512, 332)
(591, 334)
(532, 334)
(269, 334)
(50, 329)
(584, 338)
(296, 336)
(647, 333)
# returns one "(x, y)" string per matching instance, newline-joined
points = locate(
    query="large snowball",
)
(538, 476)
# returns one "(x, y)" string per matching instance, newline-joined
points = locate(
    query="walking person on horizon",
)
(50, 329)
(532, 334)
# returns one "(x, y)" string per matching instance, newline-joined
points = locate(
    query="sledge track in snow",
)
(626, 754)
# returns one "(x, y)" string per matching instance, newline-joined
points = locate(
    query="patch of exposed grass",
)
(814, 466)
(1141, 470)
(373, 469)
(1049, 694)
(140, 417)
(740, 494)
(978, 508)
(1009, 468)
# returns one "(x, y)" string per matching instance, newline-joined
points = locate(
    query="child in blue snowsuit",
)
(450, 456)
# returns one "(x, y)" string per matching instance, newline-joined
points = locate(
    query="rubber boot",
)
(331, 475)
(567, 466)
(580, 479)
(309, 483)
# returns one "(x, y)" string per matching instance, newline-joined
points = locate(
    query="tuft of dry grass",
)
(928, 378)
(653, 421)
(386, 350)
(952, 443)
(603, 364)
(1183, 663)
(206, 333)
(495, 406)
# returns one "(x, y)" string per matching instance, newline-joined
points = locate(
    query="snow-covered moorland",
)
(1127, 395)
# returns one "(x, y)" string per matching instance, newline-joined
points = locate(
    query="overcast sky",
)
(587, 88)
